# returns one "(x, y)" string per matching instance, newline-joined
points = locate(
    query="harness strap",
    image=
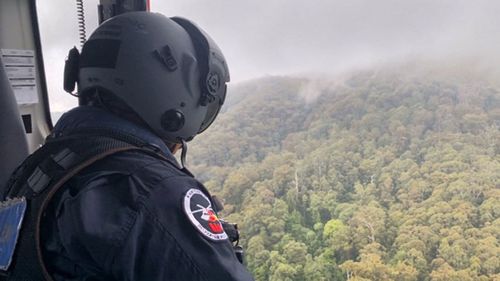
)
(56, 188)
(38, 179)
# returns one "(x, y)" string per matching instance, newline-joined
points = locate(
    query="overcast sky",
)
(275, 37)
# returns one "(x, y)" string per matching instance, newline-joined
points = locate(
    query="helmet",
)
(167, 70)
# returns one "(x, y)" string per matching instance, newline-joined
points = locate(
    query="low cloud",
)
(279, 37)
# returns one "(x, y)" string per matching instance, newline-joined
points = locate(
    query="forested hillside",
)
(375, 176)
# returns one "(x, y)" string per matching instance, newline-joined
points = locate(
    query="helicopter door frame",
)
(20, 42)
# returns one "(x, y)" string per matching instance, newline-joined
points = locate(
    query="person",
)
(134, 215)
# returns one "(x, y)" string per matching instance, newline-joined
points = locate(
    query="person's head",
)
(163, 73)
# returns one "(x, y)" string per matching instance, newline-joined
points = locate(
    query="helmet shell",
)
(153, 65)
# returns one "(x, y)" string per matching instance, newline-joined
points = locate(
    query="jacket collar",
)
(87, 117)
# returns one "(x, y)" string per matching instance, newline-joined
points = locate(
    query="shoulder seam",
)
(154, 160)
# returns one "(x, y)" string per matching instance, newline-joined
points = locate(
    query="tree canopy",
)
(380, 176)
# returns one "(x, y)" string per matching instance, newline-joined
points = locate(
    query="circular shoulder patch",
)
(199, 211)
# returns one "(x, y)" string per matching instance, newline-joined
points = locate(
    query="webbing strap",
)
(53, 190)
(28, 264)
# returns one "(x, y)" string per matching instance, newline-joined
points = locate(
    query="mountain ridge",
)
(382, 175)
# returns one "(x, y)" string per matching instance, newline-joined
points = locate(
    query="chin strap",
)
(183, 153)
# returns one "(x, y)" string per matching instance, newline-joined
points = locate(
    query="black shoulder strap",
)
(38, 179)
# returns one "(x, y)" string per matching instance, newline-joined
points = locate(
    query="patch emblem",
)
(199, 211)
(11, 217)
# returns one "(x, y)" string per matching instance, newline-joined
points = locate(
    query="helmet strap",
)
(183, 153)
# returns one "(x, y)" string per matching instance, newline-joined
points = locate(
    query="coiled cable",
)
(81, 21)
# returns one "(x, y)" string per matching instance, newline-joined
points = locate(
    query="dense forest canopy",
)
(372, 176)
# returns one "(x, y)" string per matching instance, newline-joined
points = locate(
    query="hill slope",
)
(376, 176)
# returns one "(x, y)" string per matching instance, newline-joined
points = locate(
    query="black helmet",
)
(167, 70)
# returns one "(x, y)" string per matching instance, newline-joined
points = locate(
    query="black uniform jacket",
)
(133, 216)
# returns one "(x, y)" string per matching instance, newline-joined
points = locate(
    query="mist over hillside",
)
(289, 36)
(390, 173)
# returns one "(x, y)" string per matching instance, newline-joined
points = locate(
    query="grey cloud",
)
(292, 36)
